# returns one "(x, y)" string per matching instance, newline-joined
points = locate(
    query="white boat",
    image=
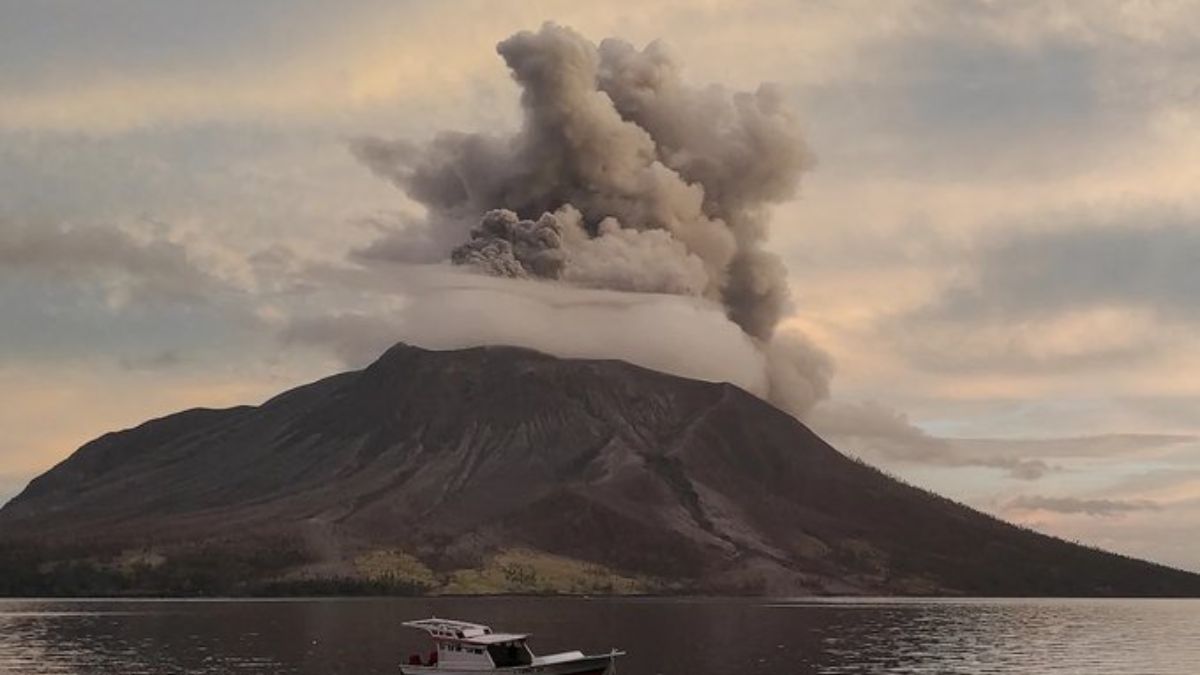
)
(471, 648)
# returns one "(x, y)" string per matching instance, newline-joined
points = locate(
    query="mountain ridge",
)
(445, 462)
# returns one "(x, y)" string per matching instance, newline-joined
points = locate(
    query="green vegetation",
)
(278, 569)
(207, 569)
(391, 567)
(527, 571)
(338, 586)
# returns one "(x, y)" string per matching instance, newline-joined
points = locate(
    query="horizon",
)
(991, 257)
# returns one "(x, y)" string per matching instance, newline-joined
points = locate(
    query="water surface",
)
(662, 636)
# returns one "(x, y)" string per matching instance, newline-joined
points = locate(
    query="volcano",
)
(504, 469)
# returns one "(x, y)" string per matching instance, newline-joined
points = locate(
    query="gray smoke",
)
(616, 258)
(621, 177)
(506, 246)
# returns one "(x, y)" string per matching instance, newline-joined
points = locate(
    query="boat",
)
(461, 647)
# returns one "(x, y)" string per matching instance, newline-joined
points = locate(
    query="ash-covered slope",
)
(453, 456)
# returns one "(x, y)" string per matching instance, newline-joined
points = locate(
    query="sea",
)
(662, 636)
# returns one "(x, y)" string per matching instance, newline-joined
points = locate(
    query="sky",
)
(996, 242)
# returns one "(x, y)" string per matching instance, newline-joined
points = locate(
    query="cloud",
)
(1079, 340)
(1147, 261)
(168, 358)
(143, 64)
(880, 434)
(150, 270)
(884, 435)
(445, 308)
(1095, 292)
(1101, 508)
(146, 301)
(355, 338)
(1096, 446)
(944, 102)
(11, 484)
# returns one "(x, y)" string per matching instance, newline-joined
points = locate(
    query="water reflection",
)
(666, 637)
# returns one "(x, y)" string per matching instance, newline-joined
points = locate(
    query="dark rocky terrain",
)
(502, 469)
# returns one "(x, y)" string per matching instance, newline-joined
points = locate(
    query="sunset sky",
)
(997, 244)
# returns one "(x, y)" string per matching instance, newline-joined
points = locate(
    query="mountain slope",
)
(446, 460)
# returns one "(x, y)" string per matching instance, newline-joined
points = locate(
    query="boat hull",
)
(588, 665)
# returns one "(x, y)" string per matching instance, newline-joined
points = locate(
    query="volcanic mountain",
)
(504, 466)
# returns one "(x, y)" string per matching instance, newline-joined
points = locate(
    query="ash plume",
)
(621, 177)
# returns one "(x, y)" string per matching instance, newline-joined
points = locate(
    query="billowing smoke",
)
(558, 246)
(621, 177)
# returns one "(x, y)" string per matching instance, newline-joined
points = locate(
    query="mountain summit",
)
(499, 468)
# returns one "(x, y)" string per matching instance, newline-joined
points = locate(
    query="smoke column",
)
(621, 177)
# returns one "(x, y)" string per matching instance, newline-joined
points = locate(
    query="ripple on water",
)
(667, 636)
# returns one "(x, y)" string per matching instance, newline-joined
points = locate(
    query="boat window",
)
(509, 654)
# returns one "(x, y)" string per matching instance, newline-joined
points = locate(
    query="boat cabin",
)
(460, 645)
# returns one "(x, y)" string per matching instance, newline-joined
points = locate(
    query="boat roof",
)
(476, 633)
(493, 638)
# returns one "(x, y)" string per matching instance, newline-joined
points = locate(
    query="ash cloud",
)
(617, 258)
(621, 177)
